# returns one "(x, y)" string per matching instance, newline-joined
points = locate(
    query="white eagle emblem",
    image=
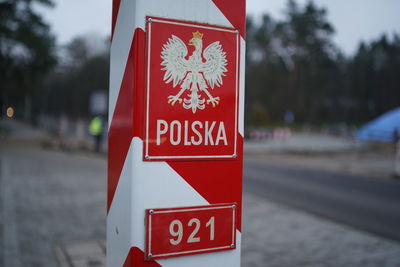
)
(193, 74)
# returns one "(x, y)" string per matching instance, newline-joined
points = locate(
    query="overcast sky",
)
(354, 20)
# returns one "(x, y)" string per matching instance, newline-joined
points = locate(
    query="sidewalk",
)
(16, 130)
(303, 143)
(326, 153)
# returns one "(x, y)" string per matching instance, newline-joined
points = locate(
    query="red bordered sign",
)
(190, 230)
(192, 91)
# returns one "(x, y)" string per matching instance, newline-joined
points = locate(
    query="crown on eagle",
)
(197, 35)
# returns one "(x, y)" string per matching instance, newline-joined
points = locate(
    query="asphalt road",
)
(368, 203)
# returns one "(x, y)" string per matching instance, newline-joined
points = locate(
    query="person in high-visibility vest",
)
(96, 130)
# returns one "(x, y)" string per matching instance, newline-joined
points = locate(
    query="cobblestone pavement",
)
(48, 199)
(52, 213)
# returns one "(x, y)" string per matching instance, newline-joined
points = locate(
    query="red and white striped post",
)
(176, 133)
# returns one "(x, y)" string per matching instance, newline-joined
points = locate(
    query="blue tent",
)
(385, 128)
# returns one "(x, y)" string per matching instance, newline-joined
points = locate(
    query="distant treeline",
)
(27, 54)
(37, 76)
(80, 73)
(294, 68)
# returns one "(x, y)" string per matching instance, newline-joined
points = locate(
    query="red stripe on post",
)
(235, 12)
(115, 10)
(121, 128)
(135, 258)
(217, 181)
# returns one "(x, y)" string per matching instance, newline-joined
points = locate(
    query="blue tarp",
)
(385, 128)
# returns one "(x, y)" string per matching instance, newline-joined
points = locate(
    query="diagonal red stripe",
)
(217, 181)
(121, 128)
(235, 12)
(136, 258)
(115, 10)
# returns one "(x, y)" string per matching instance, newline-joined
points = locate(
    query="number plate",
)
(190, 230)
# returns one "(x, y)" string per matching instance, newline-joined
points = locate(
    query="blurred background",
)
(322, 118)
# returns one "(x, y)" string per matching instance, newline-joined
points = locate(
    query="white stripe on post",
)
(119, 51)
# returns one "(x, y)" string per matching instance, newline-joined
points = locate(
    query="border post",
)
(176, 104)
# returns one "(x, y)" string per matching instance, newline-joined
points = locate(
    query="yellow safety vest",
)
(96, 126)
